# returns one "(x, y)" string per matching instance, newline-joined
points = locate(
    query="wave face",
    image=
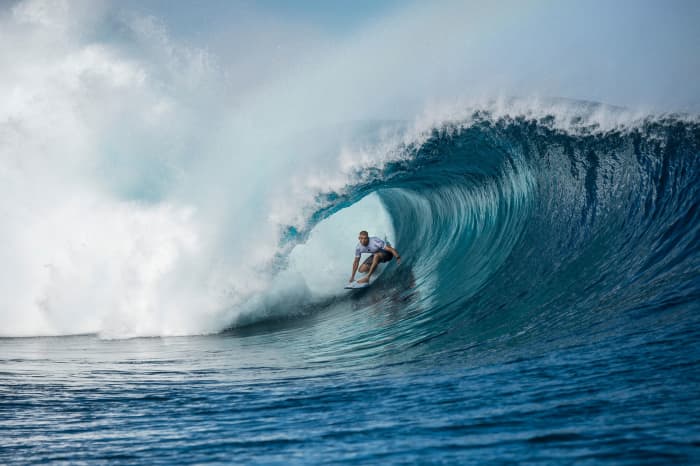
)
(521, 231)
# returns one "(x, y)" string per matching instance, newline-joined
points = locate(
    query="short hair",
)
(364, 233)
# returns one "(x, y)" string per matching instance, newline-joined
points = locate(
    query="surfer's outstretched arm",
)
(355, 264)
(394, 252)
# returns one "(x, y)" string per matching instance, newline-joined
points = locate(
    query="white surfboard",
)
(356, 286)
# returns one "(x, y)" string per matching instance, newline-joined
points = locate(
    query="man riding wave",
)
(380, 251)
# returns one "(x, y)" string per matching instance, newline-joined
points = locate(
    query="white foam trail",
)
(78, 255)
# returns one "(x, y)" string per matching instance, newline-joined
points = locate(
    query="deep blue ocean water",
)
(546, 311)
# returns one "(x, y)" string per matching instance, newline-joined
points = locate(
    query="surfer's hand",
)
(398, 260)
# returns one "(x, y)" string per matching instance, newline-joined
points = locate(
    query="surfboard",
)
(356, 286)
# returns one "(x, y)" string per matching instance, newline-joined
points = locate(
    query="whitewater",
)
(176, 239)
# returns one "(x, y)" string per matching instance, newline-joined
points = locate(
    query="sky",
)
(333, 17)
(629, 53)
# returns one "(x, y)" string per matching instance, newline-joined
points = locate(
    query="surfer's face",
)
(364, 240)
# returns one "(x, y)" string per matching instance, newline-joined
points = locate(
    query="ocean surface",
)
(546, 310)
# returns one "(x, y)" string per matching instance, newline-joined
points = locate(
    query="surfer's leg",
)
(375, 261)
(366, 265)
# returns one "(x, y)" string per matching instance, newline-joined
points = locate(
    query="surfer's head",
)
(364, 238)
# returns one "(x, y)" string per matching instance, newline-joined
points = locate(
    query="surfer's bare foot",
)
(363, 280)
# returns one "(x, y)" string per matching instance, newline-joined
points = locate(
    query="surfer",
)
(380, 251)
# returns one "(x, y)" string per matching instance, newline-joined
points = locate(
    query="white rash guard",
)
(374, 245)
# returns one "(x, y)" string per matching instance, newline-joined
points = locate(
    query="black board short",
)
(385, 256)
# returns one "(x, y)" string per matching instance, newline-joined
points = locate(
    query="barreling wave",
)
(515, 228)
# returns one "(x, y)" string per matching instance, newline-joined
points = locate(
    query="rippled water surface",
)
(633, 398)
